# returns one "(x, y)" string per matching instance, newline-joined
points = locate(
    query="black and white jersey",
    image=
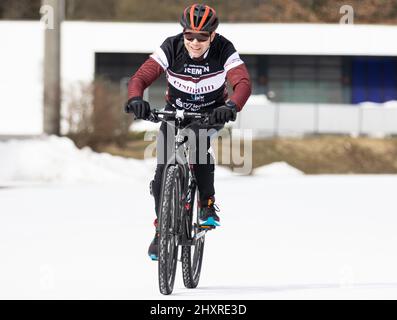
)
(196, 85)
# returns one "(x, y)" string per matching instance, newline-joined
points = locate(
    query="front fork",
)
(151, 187)
(187, 208)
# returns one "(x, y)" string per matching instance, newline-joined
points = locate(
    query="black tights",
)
(204, 162)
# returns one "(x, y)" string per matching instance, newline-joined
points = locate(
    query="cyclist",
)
(197, 63)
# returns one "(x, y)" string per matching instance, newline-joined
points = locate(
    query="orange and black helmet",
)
(199, 17)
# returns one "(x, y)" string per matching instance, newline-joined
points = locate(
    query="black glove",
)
(139, 107)
(224, 114)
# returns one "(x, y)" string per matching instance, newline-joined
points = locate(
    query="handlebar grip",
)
(234, 116)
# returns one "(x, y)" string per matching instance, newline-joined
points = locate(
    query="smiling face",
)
(197, 42)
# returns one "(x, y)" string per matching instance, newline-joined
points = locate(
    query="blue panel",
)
(358, 80)
(390, 79)
(374, 79)
(374, 75)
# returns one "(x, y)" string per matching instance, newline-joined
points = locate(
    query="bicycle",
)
(178, 215)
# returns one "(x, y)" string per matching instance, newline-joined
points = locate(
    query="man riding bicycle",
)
(197, 63)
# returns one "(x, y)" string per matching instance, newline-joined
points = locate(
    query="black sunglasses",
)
(201, 37)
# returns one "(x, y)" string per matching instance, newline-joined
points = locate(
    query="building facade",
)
(300, 71)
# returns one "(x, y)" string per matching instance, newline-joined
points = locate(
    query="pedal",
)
(151, 187)
(154, 257)
(209, 224)
(207, 227)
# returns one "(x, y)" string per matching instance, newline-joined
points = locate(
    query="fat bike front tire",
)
(169, 224)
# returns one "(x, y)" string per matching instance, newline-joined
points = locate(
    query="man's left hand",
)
(224, 114)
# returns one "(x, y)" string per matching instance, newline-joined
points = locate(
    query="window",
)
(309, 79)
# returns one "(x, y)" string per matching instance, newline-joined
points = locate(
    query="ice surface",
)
(282, 237)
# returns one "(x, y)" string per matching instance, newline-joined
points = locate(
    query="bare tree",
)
(21, 9)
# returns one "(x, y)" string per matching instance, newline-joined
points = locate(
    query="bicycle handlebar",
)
(157, 116)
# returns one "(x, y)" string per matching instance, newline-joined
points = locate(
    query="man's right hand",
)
(139, 107)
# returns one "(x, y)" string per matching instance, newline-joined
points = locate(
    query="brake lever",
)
(207, 119)
(153, 117)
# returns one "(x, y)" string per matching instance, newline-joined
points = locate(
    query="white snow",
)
(58, 160)
(277, 169)
(142, 125)
(283, 236)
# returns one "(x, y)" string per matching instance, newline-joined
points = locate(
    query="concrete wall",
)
(21, 77)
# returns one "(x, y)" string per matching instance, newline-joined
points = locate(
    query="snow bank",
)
(142, 125)
(55, 159)
(277, 169)
(58, 160)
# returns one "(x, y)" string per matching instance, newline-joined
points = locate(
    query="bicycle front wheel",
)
(169, 224)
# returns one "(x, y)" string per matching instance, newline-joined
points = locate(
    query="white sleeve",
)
(233, 61)
(160, 58)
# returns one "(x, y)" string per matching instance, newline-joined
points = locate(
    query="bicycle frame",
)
(181, 158)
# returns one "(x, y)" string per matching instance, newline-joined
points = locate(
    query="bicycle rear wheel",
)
(192, 256)
(169, 224)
